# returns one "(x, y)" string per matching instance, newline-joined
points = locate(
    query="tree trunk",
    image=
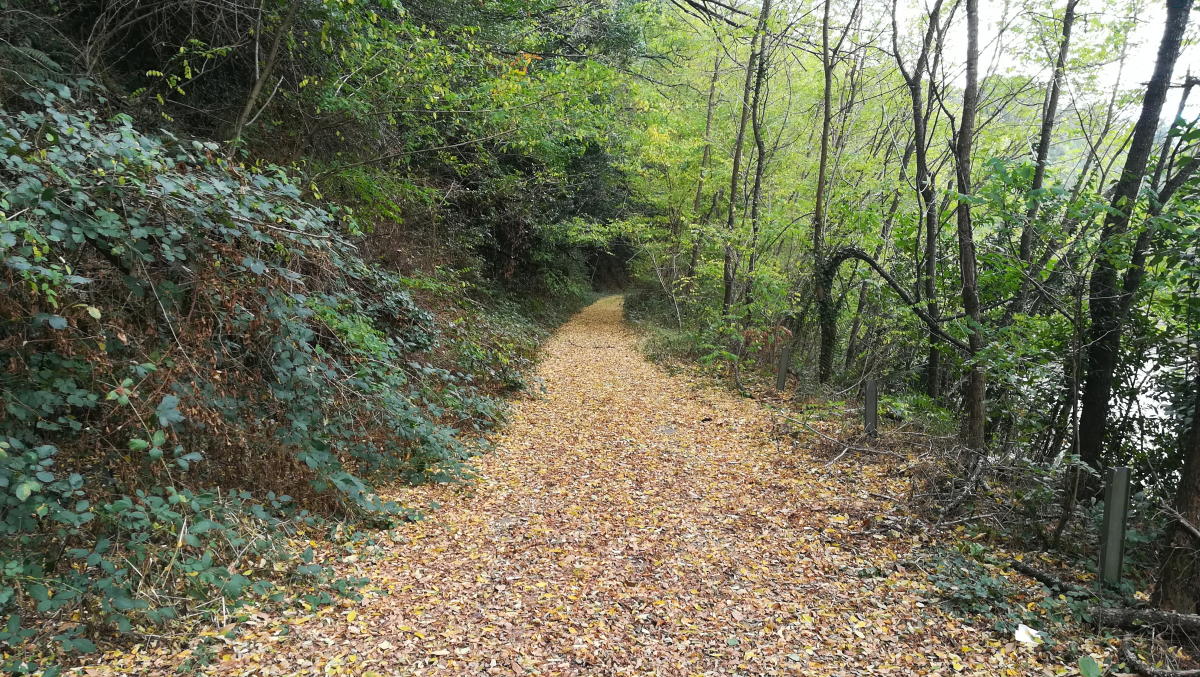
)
(933, 370)
(267, 69)
(1043, 149)
(735, 175)
(884, 234)
(826, 307)
(1104, 294)
(1070, 221)
(926, 193)
(826, 312)
(757, 104)
(1178, 587)
(708, 118)
(977, 387)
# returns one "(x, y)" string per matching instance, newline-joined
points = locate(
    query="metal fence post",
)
(871, 408)
(785, 356)
(1112, 533)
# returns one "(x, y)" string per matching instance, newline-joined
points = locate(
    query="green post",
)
(1112, 533)
(785, 356)
(871, 407)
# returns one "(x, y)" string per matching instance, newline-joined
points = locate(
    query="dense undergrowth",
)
(198, 364)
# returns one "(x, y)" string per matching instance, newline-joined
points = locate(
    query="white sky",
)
(1139, 64)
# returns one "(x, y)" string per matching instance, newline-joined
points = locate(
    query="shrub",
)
(170, 321)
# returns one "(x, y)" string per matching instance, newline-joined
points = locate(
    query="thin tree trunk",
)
(825, 309)
(933, 359)
(977, 387)
(1070, 221)
(708, 118)
(1178, 587)
(1104, 294)
(1043, 149)
(735, 174)
(757, 104)
(1164, 155)
(884, 235)
(926, 192)
(268, 67)
(1074, 474)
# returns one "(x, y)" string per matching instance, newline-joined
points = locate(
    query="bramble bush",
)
(173, 323)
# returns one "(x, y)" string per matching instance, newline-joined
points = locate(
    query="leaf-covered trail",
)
(630, 522)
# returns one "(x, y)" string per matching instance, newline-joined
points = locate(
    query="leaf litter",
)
(629, 522)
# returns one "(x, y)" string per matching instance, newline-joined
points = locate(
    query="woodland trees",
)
(1046, 331)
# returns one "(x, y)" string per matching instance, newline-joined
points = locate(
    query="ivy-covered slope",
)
(195, 358)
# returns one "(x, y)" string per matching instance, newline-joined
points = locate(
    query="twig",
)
(838, 457)
(264, 106)
(1181, 521)
(849, 447)
(967, 492)
(1040, 576)
(968, 519)
(1146, 671)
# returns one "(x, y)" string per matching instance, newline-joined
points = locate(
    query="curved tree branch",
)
(839, 256)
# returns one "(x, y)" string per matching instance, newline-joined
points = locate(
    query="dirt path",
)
(630, 522)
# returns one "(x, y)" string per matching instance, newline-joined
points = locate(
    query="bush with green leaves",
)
(169, 322)
(969, 582)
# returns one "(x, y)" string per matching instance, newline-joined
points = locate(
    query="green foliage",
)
(28, 64)
(172, 319)
(970, 582)
(492, 333)
(918, 407)
(1089, 668)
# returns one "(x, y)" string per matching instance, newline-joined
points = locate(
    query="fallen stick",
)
(849, 447)
(969, 518)
(1139, 618)
(1040, 576)
(1146, 671)
(837, 458)
(966, 494)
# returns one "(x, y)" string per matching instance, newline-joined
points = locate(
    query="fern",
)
(30, 64)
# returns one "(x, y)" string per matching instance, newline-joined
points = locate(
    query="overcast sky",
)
(1138, 66)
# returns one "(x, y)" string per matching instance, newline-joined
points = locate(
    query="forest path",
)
(638, 523)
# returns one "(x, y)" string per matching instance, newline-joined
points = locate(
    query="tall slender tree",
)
(1045, 136)
(698, 239)
(826, 308)
(967, 262)
(729, 273)
(926, 191)
(1105, 291)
